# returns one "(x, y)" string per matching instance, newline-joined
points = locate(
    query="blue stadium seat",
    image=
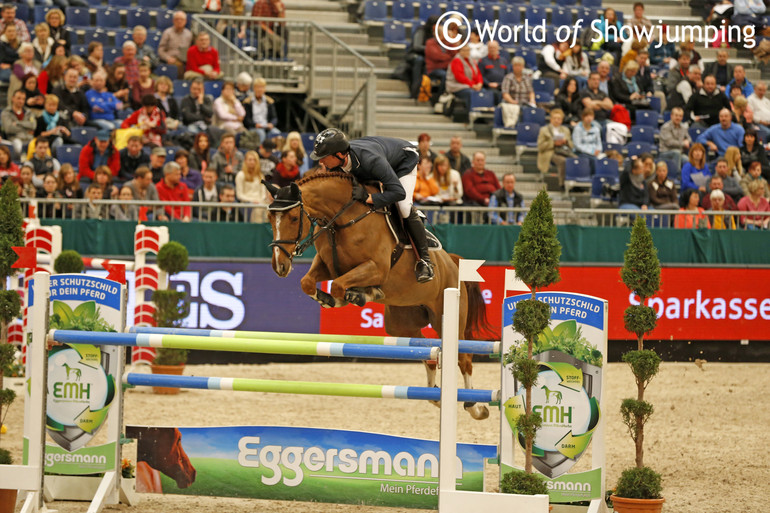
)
(544, 98)
(375, 10)
(394, 33)
(526, 134)
(509, 15)
(78, 17)
(108, 18)
(565, 3)
(593, 4)
(181, 87)
(308, 139)
(655, 104)
(646, 117)
(459, 7)
(213, 87)
(635, 149)
(95, 3)
(643, 134)
(695, 132)
(482, 105)
(167, 70)
(561, 16)
(597, 188)
(83, 134)
(674, 171)
(498, 128)
(541, 3)
(483, 13)
(428, 9)
(111, 53)
(152, 4)
(164, 20)
(403, 11)
(121, 36)
(170, 152)
(95, 34)
(81, 50)
(535, 15)
(607, 167)
(136, 17)
(121, 3)
(153, 39)
(543, 85)
(577, 173)
(22, 12)
(69, 154)
(587, 15)
(532, 115)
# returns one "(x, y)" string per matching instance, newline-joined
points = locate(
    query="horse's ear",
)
(294, 189)
(272, 189)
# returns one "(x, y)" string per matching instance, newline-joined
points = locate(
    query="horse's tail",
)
(477, 325)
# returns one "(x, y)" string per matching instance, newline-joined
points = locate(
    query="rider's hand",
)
(360, 193)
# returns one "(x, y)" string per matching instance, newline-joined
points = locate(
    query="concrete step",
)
(324, 82)
(320, 17)
(412, 109)
(435, 134)
(347, 62)
(425, 118)
(322, 40)
(424, 123)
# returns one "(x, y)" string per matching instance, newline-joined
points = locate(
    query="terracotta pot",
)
(176, 370)
(8, 500)
(623, 505)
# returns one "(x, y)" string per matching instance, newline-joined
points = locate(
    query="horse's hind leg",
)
(408, 321)
(477, 411)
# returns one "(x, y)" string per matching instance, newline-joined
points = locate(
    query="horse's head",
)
(290, 225)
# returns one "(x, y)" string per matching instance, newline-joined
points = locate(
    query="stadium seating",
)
(577, 173)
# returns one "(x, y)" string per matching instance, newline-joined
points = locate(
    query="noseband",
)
(299, 245)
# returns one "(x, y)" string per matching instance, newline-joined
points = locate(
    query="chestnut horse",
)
(355, 248)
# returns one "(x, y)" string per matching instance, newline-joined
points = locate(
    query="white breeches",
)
(408, 182)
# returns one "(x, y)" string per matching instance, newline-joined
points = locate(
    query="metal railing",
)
(300, 56)
(250, 212)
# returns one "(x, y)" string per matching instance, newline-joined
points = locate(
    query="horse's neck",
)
(325, 202)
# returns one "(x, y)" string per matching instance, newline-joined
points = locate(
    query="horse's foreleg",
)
(319, 272)
(477, 411)
(360, 285)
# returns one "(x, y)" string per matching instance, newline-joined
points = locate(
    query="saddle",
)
(397, 228)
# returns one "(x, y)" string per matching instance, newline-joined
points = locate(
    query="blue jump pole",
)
(307, 388)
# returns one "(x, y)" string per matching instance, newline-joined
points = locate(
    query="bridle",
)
(323, 226)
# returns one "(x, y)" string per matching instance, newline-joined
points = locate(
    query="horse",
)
(356, 249)
(549, 392)
(160, 450)
(75, 371)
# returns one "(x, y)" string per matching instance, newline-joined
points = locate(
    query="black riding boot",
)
(424, 268)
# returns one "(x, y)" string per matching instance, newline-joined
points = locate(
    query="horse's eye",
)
(294, 219)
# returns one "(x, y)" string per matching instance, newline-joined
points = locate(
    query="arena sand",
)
(707, 436)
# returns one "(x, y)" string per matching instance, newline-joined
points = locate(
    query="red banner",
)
(693, 303)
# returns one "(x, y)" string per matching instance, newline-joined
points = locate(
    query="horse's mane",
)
(322, 175)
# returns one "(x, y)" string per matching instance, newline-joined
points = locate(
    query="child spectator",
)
(92, 210)
(150, 119)
(123, 212)
(249, 187)
(48, 191)
(201, 152)
(8, 168)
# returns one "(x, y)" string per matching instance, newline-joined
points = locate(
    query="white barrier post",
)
(448, 441)
(29, 477)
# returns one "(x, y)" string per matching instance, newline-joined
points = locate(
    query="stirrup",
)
(423, 271)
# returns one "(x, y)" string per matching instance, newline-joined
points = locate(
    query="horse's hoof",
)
(355, 297)
(478, 412)
(324, 299)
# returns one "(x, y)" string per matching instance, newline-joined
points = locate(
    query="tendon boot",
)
(423, 270)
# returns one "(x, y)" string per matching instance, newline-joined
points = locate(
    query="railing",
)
(300, 56)
(250, 212)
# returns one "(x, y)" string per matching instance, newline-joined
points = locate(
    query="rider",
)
(392, 162)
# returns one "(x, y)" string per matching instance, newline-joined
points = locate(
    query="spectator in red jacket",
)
(172, 189)
(437, 57)
(99, 152)
(287, 170)
(479, 183)
(463, 75)
(202, 59)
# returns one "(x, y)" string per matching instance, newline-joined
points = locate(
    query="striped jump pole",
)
(466, 346)
(307, 387)
(245, 345)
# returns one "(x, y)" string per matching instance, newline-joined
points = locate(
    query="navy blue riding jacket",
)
(384, 160)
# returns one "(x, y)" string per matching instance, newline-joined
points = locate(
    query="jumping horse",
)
(356, 249)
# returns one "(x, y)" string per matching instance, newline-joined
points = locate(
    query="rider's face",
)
(331, 161)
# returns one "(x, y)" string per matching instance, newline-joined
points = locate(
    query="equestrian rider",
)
(392, 162)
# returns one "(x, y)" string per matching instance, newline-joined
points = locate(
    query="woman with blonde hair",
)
(25, 65)
(228, 111)
(43, 43)
(734, 165)
(450, 182)
(294, 143)
(55, 19)
(249, 187)
(164, 89)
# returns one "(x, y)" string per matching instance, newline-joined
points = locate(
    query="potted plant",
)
(536, 259)
(11, 235)
(171, 308)
(68, 261)
(7, 396)
(639, 488)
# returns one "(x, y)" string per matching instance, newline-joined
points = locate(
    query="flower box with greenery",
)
(639, 488)
(171, 308)
(536, 259)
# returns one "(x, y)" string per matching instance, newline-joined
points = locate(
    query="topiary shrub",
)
(68, 261)
(639, 483)
(523, 483)
(173, 257)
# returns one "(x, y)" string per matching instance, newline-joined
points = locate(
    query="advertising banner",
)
(567, 395)
(303, 464)
(82, 378)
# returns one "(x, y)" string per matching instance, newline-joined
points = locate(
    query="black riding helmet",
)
(329, 142)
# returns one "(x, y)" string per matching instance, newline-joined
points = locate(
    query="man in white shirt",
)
(760, 105)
